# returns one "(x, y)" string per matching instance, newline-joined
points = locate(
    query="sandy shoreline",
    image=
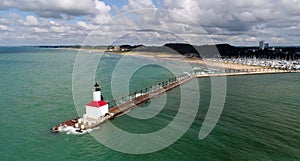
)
(178, 57)
(173, 57)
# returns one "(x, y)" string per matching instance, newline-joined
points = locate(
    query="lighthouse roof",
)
(97, 104)
(97, 87)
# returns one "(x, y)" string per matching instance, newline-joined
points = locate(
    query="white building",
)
(261, 45)
(96, 108)
(266, 46)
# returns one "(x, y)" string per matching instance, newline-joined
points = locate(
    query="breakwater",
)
(125, 104)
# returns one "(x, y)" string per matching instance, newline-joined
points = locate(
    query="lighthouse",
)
(97, 93)
(96, 108)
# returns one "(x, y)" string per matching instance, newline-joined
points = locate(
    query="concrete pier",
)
(158, 89)
(127, 106)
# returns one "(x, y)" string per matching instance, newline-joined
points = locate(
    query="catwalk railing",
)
(181, 78)
(144, 91)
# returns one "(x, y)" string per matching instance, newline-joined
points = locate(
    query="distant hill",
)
(184, 49)
(227, 50)
(203, 51)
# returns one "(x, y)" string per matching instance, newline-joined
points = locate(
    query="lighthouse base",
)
(80, 125)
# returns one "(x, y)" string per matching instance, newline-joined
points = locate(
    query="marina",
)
(259, 62)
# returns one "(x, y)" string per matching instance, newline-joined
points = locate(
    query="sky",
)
(149, 22)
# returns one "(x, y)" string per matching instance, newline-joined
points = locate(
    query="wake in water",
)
(75, 131)
(76, 126)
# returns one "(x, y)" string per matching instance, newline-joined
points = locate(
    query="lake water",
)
(260, 120)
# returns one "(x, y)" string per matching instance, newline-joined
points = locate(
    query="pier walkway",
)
(124, 104)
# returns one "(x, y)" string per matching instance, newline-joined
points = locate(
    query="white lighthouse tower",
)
(97, 93)
(96, 108)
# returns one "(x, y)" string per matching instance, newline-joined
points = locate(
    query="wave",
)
(74, 131)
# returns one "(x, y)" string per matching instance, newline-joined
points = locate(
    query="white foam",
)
(139, 94)
(187, 73)
(71, 130)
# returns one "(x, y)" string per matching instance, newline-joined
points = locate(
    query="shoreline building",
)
(263, 45)
(266, 46)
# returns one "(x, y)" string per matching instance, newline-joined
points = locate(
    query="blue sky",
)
(150, 22)
(118, 3)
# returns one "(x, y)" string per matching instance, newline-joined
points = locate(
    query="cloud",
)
(85, 25)
(33, 30)
(138, 4)
(57, 8)
(3, 21)
(53, 22)
(102, 14)
(30, 21)
(261, 19)
(239, 22)
(277, 40)
(40, 30)
(4, 28)
(252, 39)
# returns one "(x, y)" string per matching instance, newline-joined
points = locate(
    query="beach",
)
(178, 57)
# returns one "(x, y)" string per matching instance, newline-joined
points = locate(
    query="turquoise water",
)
(260, 120)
